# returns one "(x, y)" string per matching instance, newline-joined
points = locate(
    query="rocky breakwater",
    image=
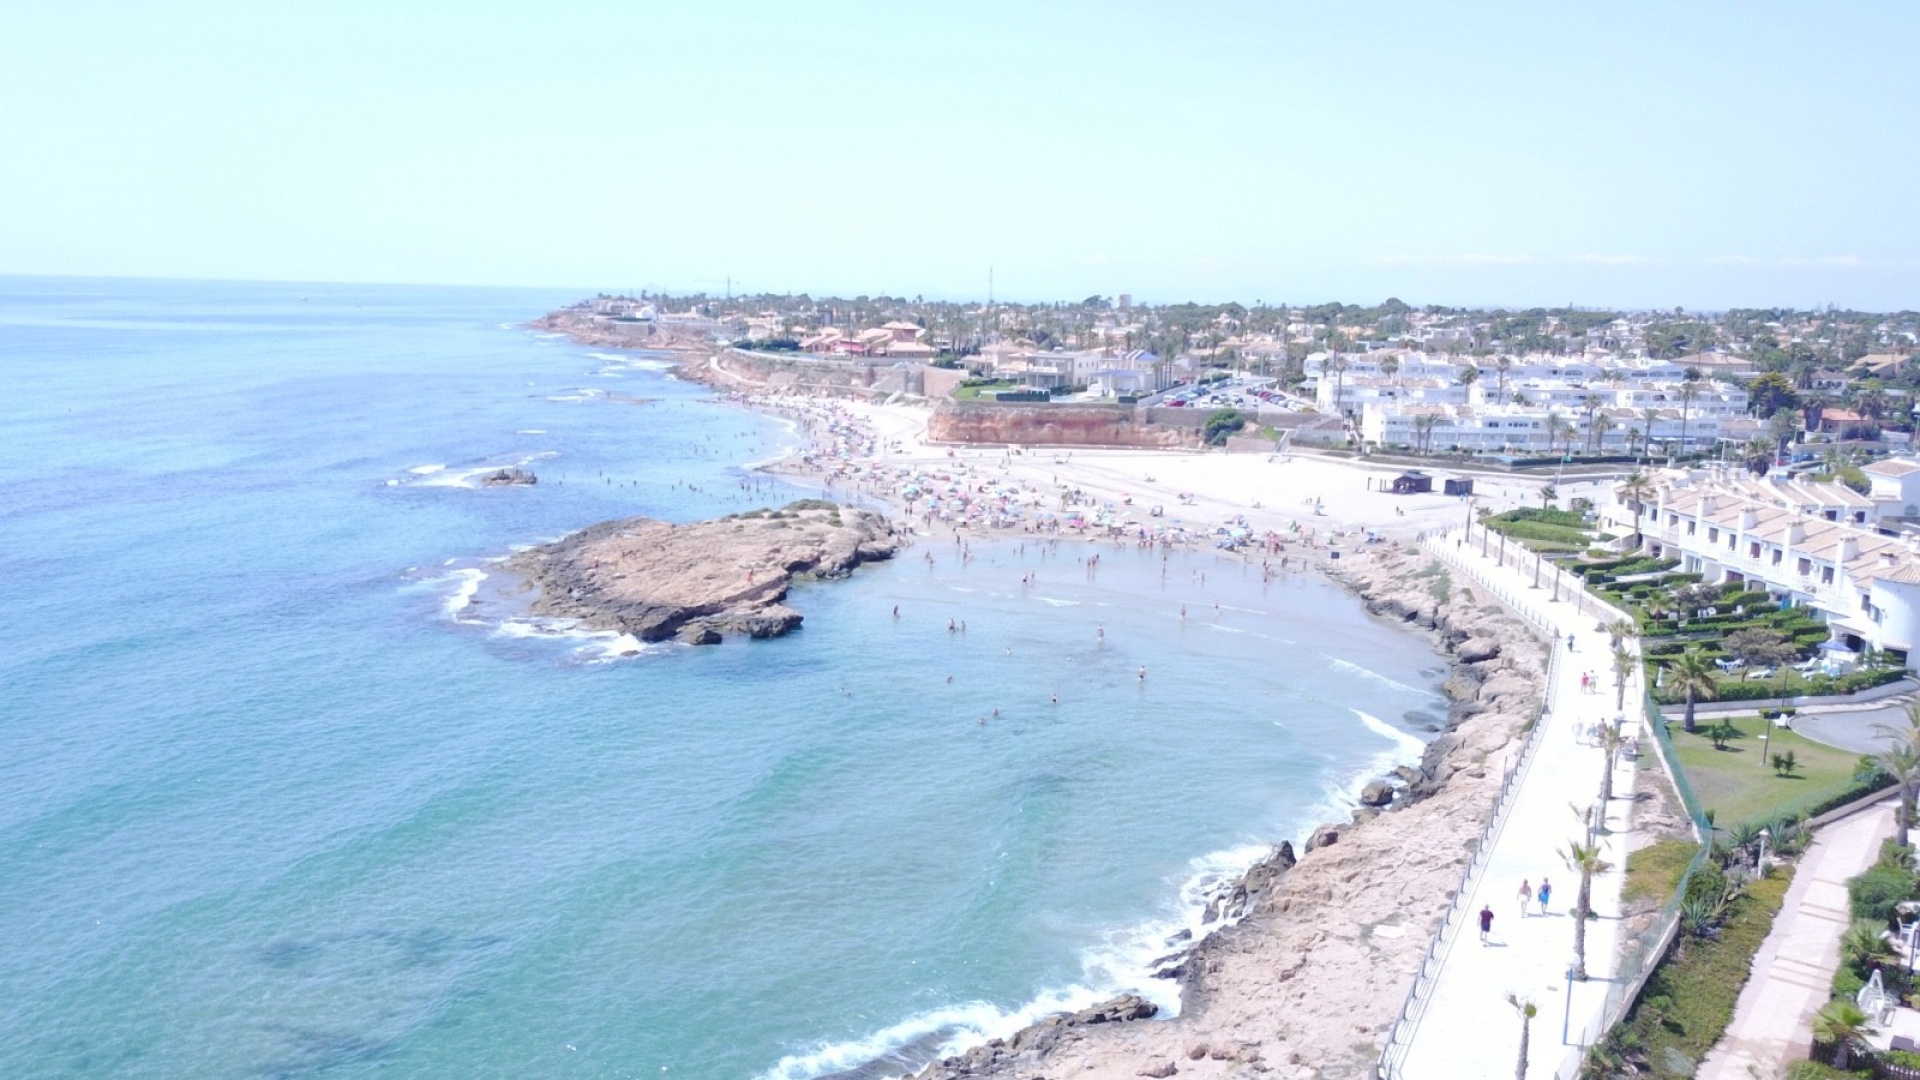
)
(659, 581)
(1308, 980)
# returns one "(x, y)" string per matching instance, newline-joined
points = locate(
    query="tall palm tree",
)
(1636, 442)
(1649, 416)
(1695, 676)
(1636, 489)
(1590, 404)
(1391, 366)
(1622, 667)
(1688, 391)
(1338, 365)
(1527, 1010)
(1601, 424)
(1841, 1023)
(1548, 493)
(1611, 742)
(1584, 860)
(1468, 375)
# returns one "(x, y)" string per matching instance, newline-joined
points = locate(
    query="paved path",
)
(1793, 972)
(1467, 1029)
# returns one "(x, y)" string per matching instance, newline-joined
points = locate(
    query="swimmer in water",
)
(1143, 673)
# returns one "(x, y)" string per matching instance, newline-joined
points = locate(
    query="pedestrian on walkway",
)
(1546, 894)
(1526, 895)
(1486, 922)
(1583, 682)
(1569, 642)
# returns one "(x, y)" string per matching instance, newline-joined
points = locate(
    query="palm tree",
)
(1636, 442)
(1503, 365)
(1468, 375)
(1622, 667)
(1618, 631)
(1590, 405)
(1688, 391)
(1584, 860)
(1558, 427)
(1610, 742)
(1695, 676)
(1527, 1010)
(1635, 489)
(1901, 760)
(1547, 495)
(1601, 425)
(1649, 416)
(1391, 366)
(1841, 1023)
(1865, 944)
(1338, 365)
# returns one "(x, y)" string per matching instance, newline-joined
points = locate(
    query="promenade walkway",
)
(1793, 971)
(1465, 1027)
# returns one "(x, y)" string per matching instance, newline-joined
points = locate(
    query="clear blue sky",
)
(1706, 152)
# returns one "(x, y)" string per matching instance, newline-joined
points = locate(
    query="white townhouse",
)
(1807, 544)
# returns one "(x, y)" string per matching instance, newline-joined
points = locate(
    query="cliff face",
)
(586, 330)
(657, 580)
(1051, 425)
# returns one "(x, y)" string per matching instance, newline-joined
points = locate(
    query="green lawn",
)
(1654, 871)
(987, 390)
(1737, 785)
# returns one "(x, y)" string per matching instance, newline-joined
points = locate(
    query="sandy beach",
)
(1308, 979)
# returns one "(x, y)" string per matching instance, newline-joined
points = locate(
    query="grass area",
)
(974, 391)
(1738, 785)
(1688, 1002)
(1654, 871)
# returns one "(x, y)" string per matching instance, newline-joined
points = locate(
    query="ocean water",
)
(286, 790)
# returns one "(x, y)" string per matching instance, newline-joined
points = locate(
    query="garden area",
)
(1747, 646)
(1546, 530)
(1841, 1028)
(1725, 914)
(1740, 782)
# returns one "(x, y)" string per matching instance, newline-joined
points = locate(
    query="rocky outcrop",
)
(695, 583)
(1004, 423)
(509, 477)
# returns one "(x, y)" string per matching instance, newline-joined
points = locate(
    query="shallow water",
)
(286, 792)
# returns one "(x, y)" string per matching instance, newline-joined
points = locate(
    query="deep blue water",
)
(269, 808)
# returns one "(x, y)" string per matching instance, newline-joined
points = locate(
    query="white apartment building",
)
(1808, 544)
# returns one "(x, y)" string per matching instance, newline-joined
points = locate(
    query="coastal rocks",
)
(1324, 836)
(509, 477)
(1000, 424)
(1161, 1070)
(696, 583)
(1039, 1038)
(1377, 793)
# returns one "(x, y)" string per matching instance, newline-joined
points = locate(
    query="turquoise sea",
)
(283, 793)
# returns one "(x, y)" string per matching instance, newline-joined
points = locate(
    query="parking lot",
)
(1245, 394)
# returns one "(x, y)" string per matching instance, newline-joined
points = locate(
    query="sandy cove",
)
(1308, 980)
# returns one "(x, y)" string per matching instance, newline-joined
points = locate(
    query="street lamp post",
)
(1766, 738)
(1760, 860)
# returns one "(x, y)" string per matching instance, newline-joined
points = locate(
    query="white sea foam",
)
(531, 431)
(608, 357)
(1123, 963)
(1057, 603)
(584, 393)
(1377, 677)
(426, 470)
(468, 580)
(590, 646)
(441, 476)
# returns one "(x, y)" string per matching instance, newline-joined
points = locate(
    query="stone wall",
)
(1041, 424)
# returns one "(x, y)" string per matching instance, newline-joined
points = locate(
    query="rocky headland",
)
(695, 583)
(1314, 954)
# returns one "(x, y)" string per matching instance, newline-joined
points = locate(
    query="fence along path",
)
(1456, 1020)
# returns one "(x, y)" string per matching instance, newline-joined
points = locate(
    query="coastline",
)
(1304, 958)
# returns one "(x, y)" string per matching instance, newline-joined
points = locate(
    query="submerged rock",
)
(508, 478)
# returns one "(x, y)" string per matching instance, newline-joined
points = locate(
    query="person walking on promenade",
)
(1546, 894)
(1526, 896)
(1486, 922)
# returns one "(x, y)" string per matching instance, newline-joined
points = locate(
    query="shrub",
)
(1875, 893)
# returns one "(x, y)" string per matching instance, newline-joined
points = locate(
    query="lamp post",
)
(1760, 860)
(1766, 738)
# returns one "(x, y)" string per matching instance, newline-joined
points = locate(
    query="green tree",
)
(1223, 423)
(1689, 390)
(1695, 676)
(1770, 393)
(1900, 759)
(1841, 1023)
(1622, 667)
(1468, 375)
(1548, 493)
(1584, 860)
(1502, 366)
(1761, 647)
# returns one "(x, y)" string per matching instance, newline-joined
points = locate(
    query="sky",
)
(1706, 154)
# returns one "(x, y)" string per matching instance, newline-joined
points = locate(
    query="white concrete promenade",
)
(1793, 972)
(1465, 1027)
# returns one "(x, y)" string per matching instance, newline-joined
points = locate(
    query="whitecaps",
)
(1376, 676)
(1057, 603)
